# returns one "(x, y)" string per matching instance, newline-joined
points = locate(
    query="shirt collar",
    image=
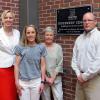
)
(90, 32)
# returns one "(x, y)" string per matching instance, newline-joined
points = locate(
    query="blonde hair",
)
(24, 41)
(5, 13)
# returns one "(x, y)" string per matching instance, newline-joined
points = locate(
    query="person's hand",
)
(19, 89)
(50, 80)
(47, 79)
(80, 79)
(41, 88)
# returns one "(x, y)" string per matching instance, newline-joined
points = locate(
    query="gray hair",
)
(49, 29)
(91, 14)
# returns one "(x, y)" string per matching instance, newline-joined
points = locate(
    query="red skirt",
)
(7, 84)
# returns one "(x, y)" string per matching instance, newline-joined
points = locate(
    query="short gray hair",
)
(49, 29)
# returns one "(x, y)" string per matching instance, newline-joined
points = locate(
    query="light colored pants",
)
(56, 90)
(30, 89)
(88, 91)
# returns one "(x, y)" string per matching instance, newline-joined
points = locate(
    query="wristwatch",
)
(43, 82)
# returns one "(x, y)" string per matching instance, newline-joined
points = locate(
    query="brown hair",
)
(24, 38)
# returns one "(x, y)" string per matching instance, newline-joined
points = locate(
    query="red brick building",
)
(47, 17)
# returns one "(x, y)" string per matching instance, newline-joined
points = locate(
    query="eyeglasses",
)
(89, 20)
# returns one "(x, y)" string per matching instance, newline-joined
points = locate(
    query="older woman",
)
(9, 38)
(54, 60)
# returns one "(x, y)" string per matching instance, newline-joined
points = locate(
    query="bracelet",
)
(43, 82)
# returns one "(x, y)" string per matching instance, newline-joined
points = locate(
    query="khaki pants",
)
(89, 90)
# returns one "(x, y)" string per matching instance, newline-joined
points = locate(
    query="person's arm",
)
(43, 61)
(43, 71)
(18, 56)
(74, 61)
(16, 68)
(94, 69)
(16, 73)
(43, 68)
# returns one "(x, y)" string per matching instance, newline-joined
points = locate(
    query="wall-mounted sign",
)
(69, 21)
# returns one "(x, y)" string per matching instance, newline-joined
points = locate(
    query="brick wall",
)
(11, 5)
(47, 17)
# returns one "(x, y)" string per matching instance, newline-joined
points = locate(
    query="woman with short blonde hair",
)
(9, 38)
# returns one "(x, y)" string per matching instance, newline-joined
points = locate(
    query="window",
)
(29, 13)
